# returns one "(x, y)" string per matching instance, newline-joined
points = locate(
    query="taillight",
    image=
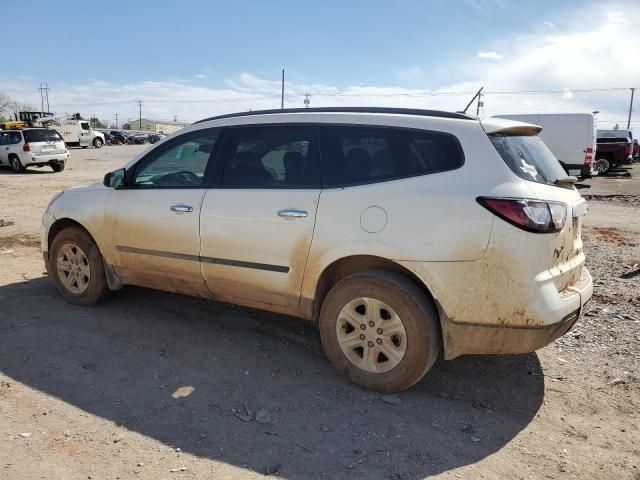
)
(627, 149)
(588, 157)
(537, 216)
(26, 148)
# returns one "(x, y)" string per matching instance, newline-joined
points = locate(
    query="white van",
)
(570, 136)
(74, 132)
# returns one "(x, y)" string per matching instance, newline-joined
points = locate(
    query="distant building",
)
(156, 126)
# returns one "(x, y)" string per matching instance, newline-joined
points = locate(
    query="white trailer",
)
(570, 136)
(73, 131)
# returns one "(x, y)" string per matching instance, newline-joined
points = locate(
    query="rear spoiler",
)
(509, 127)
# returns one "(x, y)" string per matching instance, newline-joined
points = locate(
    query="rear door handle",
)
(181, 208)
(292, 213)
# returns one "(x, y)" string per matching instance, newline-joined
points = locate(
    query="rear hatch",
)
(529, 158)
(44, 141)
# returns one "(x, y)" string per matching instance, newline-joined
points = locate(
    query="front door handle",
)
(292, 213)
(181, 208)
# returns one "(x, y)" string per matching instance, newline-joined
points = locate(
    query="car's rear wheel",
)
(602, 165)
(380, 330)
(16, 164)
(77, 268)
(57, 166)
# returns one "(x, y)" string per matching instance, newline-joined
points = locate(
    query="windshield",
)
(43, 135)
(528, 157)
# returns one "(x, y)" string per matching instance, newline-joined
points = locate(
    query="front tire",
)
(380, 330)
(97, 143)
(77, 267)
(16, 164)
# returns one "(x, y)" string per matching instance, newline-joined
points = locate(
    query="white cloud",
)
(201, 76)
(549, 24)
(489, 55)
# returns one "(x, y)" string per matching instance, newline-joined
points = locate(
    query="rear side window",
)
(272, 156)
(13, 138)
(353, 155)
(41, 136)
(528, 157)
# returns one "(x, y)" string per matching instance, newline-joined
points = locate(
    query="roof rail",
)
(400, 111)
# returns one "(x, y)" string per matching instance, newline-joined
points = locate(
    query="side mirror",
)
(115, 179)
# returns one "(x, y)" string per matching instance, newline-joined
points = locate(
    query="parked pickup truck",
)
(611, 151)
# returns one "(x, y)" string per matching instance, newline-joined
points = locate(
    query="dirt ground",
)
(153, 385)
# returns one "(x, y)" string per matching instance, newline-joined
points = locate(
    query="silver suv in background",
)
(33, 147)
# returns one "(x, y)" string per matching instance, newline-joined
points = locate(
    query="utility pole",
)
(44, 96)
(630, 109)
(282, 94)
(116, 115)
(140, 115)
(307, 99)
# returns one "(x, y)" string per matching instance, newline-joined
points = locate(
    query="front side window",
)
(528, 157)
(180, 164)
(353, 155)
(269, 156)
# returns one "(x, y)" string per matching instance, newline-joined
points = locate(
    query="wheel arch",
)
(345, 266)
(62, 223)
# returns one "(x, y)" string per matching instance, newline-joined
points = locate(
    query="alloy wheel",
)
(371, 335)
(73, 268)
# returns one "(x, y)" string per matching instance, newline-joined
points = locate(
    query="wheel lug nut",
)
(363, 326)
(379, 331)
(370, 344)
(379, 341)
(372, 324)
(362, 337)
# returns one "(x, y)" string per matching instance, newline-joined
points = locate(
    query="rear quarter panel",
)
(430, 218)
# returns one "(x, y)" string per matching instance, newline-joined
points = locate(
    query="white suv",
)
(405, 234)
(33, 147)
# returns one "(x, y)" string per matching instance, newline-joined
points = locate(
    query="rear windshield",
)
(43, 135)
(528, 157)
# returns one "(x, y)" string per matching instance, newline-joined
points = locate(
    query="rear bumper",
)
(468, 338)
(30, 159)
(464, 339)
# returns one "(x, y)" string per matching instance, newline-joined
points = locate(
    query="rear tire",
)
(16, 164)
(77, 268)
(58, 167)
(602, 165)
(352, 321)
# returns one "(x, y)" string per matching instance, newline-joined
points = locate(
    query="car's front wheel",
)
(380, 330)
(76, 266)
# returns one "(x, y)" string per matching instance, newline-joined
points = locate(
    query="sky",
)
(193, 59)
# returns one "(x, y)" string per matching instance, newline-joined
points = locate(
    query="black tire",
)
(98, 289)
(417, 313)
(603, 165)
(16, 164)
(97, 143)
(57, 166)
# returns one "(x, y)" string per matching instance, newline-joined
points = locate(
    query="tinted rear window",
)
(41, 136)
(354, 155)
(528, 157)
